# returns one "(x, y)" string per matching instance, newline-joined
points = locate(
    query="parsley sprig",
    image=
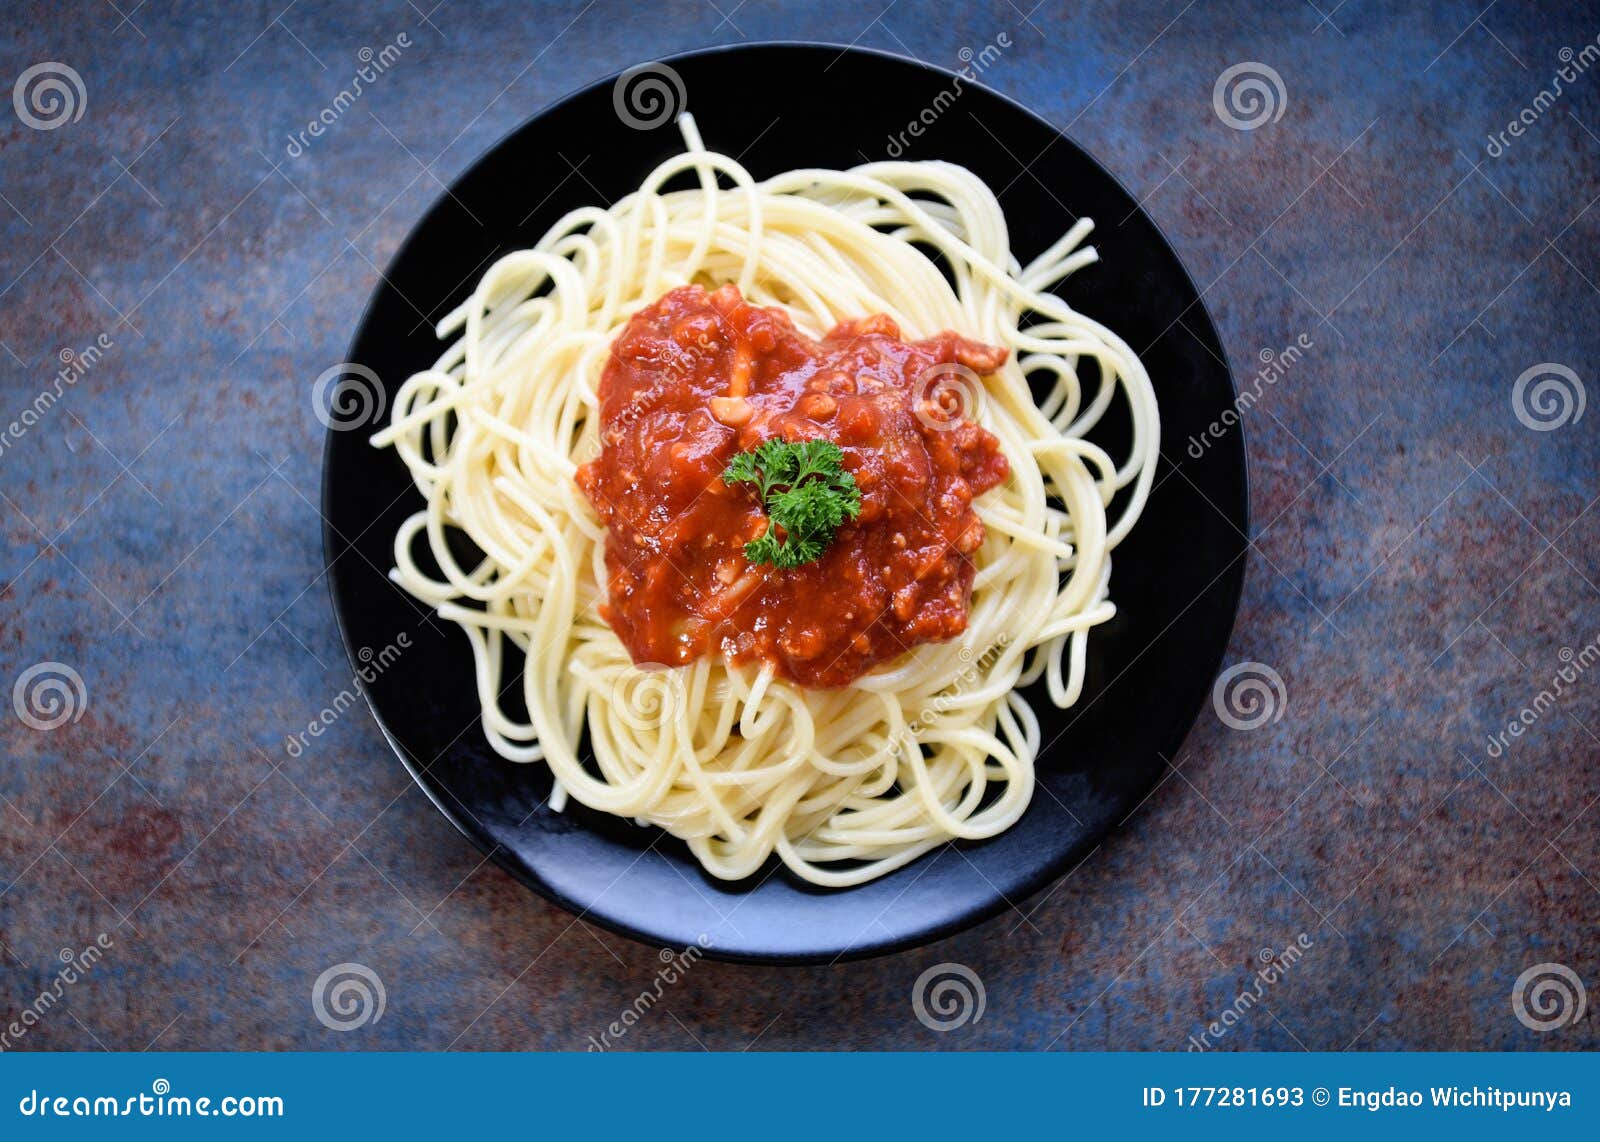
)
(806, 492)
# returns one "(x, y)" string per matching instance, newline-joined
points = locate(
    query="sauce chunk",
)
(698, 377)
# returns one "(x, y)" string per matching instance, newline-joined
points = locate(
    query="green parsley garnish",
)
(807, 493)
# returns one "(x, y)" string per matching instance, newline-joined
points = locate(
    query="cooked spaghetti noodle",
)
(843, 783)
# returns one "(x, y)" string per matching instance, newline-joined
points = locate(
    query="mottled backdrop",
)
(174, 277)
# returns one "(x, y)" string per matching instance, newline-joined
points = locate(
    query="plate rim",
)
(1048, 872)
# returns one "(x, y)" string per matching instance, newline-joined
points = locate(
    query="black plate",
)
(1176, 580)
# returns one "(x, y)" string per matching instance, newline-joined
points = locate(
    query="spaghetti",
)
(843, 782)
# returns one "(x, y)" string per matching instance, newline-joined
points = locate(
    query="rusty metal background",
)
(1402, 195)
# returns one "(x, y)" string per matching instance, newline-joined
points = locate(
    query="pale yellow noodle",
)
(843, 785)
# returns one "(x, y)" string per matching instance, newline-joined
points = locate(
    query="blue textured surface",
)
(1421, 555)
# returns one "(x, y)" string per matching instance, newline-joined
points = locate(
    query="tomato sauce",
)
(700, 376)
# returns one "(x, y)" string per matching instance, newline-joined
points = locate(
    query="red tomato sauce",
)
(698, 377)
